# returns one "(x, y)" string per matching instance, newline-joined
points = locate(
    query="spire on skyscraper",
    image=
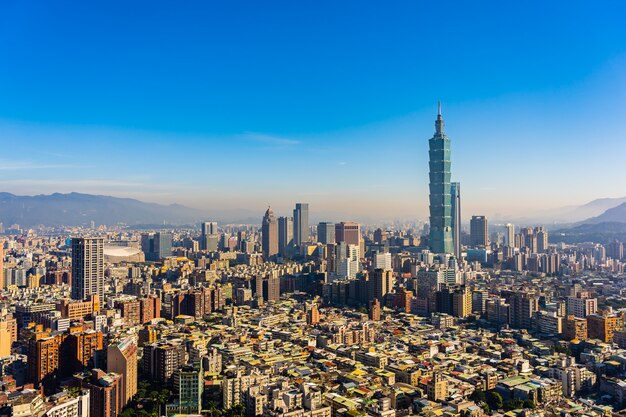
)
(439, 121)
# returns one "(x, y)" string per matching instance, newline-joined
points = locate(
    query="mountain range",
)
(75, 209)
(602, 228)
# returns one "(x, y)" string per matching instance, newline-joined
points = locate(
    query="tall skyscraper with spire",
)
(440, 192)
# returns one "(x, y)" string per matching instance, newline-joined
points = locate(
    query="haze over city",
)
(241, 105)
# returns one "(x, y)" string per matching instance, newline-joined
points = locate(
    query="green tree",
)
(478, 396)
(494, 400)
(529, 404)
(73, 391)
(236, 410)
(142, 389)
(159, 398)
(128, 412)
(214, 411)
(513, 404)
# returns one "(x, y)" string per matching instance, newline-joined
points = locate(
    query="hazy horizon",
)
(331, 104)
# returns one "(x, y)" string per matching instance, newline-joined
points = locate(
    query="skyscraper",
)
(156, 246)
(269, 232)
(122, 359)
(455, 191)
(208, 235)
(162, 245)
(440, 199)
(87, 267)
(478, 231)
(326, 233)
(542, 239)
(615, 250)
(509, 235)
(301, 223)
(348, 232)
(285, 234)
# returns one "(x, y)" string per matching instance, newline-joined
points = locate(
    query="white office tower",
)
(382, 260)
(347, 265)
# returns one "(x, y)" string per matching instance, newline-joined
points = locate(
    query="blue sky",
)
(240, 104)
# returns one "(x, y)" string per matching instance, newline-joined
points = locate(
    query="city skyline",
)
(259, 126)
(248, 209)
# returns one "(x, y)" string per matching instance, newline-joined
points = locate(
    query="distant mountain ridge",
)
(603, 228)
(75, 209)
(615, 214)
(591, 209)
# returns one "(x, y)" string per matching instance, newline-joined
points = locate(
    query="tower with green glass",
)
(440, 238)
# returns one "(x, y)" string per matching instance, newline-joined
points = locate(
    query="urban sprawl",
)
(291, 319)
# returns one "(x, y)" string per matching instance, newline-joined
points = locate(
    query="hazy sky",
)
(243, 104)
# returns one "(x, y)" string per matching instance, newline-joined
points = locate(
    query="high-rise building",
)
(478, 231)
(509, 235)
(313, 314)
(156, 246)
(440, 239)
(523, 306)
(79, 351)
(267, 288)
(162, 245)
(380, 283)
(301, 223)
(150, 308)
(529, 239)
(603, 326)
(105, 390)
(130, 311)
(382, 260)
(43, 358)
(285, 235)
(326, 233)
(574, 328)
(348, 232)
(542, 239)
(462, 302)
(347, 260)
(122, 359)
(581, 307)
(269, 234)
(160, 361)
(455, 191)
(190, 385)
(380, 235)
(374, 310)
(87, 267)
(208, 236)
(615, 250)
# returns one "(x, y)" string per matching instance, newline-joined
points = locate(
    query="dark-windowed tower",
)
(440, 193)
(269, 234)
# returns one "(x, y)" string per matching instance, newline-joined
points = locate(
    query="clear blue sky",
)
(239, 104)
